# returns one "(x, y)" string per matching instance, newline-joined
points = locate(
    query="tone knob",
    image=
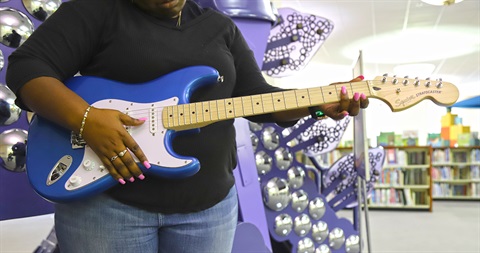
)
(88, 165)
(75, 181)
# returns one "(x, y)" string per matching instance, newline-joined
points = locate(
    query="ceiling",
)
(397, 32)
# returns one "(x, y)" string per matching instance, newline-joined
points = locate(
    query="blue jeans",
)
(103, 225)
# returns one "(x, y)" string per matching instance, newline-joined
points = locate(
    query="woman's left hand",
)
(346, 106)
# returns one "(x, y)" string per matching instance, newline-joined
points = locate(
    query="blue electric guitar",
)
(61, 167)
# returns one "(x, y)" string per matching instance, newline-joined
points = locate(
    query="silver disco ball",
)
(323, 249)
(299, 200)
(41, 9)
(270, 138)
(320, 231)
(352, 244)
(254, 140)
(276, 194)
(283, 224)
(2, 60)
(254, 127)
(283, 158)
(306, 245)
(302, 225)
(15, 27)
(336, 238)
(317, 208)
(263, 162)
(12, 149)
(9, 112)
(296, 176)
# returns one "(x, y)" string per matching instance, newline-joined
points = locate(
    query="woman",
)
(134, 42)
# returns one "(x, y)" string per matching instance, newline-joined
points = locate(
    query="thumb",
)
(129, 121)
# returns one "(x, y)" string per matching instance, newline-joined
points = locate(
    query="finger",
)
(112, 170)
(129, 121)
(138, 152)
(357, 79)
(355, 105)
(121, 168)
(344, 100)
(131, 165)
(364, 101)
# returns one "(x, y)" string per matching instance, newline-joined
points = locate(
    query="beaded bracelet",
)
(316, 112)
(83, 121)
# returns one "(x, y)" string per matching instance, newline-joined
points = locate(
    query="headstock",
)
(403, 93)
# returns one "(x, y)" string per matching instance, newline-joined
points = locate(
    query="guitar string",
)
(356, 88)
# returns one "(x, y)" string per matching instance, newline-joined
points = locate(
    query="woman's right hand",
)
(104, 131)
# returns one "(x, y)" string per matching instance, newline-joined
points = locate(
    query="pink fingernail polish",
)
(346, 114)
(141, 177)
(361, 77)
(131, 179)
(121, 181)
(344, 90)
(143, 119)
(147, 164)
(356, 96)
(363, 96)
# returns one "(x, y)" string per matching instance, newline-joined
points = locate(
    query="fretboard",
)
(194, 115)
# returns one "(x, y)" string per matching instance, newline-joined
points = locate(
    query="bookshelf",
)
(456, 173)
(405, 180)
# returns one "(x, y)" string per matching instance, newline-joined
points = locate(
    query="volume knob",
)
(75, 181)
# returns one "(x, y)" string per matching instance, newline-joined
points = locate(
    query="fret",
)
(181, 120)
(186, 113)
(267, 103)
(303, 99)
(221, 109)
(247, 106)
(170, 117)
(257, 104)
(192, 113)
(199, 111)
(278, 101)
(213, 110)
(316, 96)
(330, 93)
(206, 111)
(238, 107)
(290, 100)
(229, 108)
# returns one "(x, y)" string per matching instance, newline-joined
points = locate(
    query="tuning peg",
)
(405, 82)
(384, 79)
(440, 83)
(428, 82)
(395, 80)
(417, 82)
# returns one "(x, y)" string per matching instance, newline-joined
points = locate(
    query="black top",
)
(116, 40)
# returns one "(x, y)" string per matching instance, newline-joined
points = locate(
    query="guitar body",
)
(61, 171)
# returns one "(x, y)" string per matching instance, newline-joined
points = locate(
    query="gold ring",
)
(113, 158)
(122, 153)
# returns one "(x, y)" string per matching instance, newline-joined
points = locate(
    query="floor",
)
(452, 227)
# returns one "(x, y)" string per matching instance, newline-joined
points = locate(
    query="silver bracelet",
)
(85, 115)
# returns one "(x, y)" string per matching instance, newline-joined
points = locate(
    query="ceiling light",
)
(441, 2)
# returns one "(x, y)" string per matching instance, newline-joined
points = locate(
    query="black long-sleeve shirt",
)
(116, 40)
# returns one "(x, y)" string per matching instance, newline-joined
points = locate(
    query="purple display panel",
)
(294, 41)
(17, 198)
(297, 212)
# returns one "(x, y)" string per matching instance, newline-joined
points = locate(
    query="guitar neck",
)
(195, 115)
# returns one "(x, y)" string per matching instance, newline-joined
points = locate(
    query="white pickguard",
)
(149, 136)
